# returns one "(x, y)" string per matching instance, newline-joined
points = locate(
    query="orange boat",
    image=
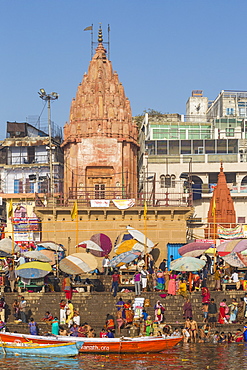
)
(101, 345)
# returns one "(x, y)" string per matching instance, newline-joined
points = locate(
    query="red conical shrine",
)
(221, 209)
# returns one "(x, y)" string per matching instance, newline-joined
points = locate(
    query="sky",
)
(161, 49)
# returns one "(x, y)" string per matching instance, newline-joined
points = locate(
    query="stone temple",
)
(100, 139)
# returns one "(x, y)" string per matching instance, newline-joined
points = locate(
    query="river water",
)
(183, 356)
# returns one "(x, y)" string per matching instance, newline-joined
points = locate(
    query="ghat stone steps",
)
(94, 307)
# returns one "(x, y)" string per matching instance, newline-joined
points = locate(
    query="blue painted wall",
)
(172, 250)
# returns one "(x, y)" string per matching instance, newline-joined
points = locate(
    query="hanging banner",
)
(233, 233)
(100, 203)
(123, 203)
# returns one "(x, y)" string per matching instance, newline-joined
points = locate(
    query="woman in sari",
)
(109, 323)
(172, 284)
(128, 313)
(205, 295)
(159, 311)
(224, 309)
(167, 278)
(149, 326)
(233, 311)
(183, 288)
(160, 280)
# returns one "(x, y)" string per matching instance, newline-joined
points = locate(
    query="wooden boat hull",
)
(149, 345)
(44, 350)
(101, 345)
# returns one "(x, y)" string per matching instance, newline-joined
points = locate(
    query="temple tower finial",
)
(100, 35)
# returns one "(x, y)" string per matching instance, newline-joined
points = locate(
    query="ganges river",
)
(184, 356)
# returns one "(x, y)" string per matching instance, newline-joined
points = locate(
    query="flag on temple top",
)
(213, 206)
(145, 210)
(89, 28)
(10, 211)
(74, 211)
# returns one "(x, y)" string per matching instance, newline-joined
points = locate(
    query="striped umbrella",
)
(235, 260)
(129, 245)
(125, 257)
(237, 245)
(89, 244)
(193, 249)
(33, 270)
(77, 263)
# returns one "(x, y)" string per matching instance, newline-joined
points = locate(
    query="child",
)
(205, 311)
(32, 327)
(186, 335)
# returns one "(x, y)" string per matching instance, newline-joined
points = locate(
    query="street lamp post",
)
(48, 97)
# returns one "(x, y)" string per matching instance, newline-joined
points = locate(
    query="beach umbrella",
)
(235, 260)
(5, 255)
(36, 255)
(187, 264)
(237, 245)
(140, 237)
(78, 263)
(129, 245)
(89, 244)
(6, 245)
(122, 238)
(49, 254)
(104, 242)
(125, 257)
(194, 249)
(33, 270)
(51, 245)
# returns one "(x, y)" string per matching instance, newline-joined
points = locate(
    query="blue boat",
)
(70, 349)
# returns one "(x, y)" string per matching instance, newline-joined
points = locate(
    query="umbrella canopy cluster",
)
(187, 264)
(130, 246)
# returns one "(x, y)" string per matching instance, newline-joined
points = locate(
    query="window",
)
(241, 220)
(229, 111)
(16, 186)
(173, 182)
(230, 131)
(168, 181)
(99, 191)
(162, 181)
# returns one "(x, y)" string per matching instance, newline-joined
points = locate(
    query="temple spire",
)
(221, 209)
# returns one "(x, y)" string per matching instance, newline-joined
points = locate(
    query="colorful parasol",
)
(140, 237)
(125, 257)
(89, 244)
(49, 254)
(237, 245)
(129, 245)
(37, 255)
(7, 245)
(187, 264)
(104, 242)
(78, 263)
(194, 249)
(33, 270)
(52, 246)
(235, 260)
